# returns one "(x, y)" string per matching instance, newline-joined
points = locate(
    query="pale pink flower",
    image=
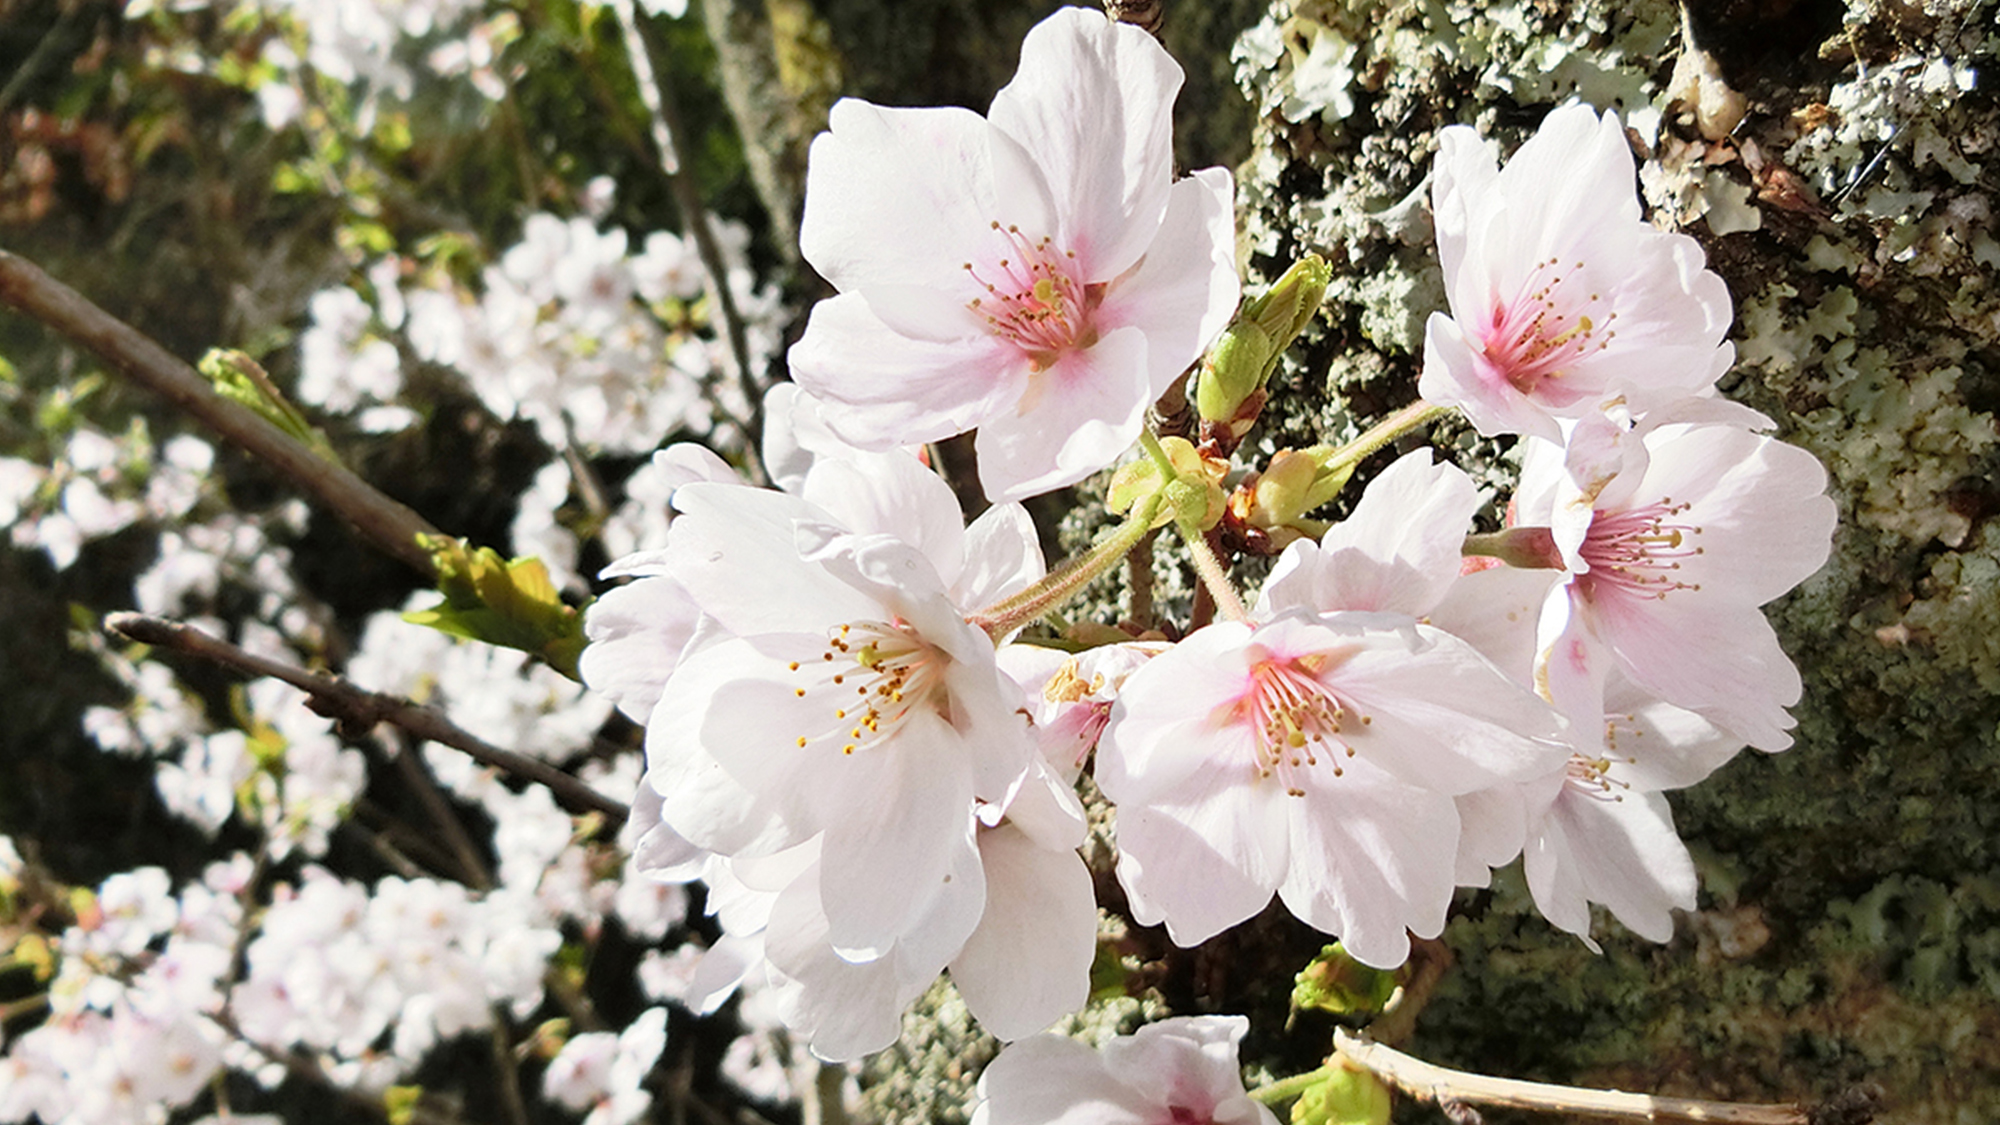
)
(1561, 297)
(842, 676)
(1036, 274)
(1314, 758)
(1179, 1071)
(1672, 537)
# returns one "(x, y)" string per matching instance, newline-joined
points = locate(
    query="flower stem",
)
(1205, 563)
(1382, 433)
(1066, 581)
(1271, 1093)
(1212, 574)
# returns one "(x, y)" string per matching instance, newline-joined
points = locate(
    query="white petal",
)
(1092, 102)
(1028, 963)
(1076, 417)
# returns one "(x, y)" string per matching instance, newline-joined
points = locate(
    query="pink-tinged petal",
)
(1050, 1080)
(880, 874)
(1496, 611)
(1184, 291)
(1721, 661)
(637, 633)
(658, 852)
(1092, 102)
(1045, 809)
(1439, 715)
(1167, 722)
(1077, 417)
(1398, 552)
(1655, 746)
(1205, 855)
(707, 806)
(733, 549)
(879, 388)
(1372, 858)
(1575, 665)
(897, 196)
(1493, 826)
(1463, 173)
(1028, 962)
(1188, 1067)
(1621, 851)
(1578, 167)
(1765, 523)
(1003, 556)
(893, 494)
(845, 1010)
(1456, 374)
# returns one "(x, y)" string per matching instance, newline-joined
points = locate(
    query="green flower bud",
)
(1337, 983)
(1228, 392)
(1348, 1097)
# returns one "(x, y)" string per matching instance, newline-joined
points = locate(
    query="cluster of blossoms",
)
(849, 737)
(846, 739)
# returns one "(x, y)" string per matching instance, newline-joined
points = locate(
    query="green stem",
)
(1066, 581)
(1381, 434)
(1271, 1093)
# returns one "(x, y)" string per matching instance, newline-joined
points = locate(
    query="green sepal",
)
(399, 1103)
(508, 602)
(1347, 1097)
(1335, 982)
(1195, 494)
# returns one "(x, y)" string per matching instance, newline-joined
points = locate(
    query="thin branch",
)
(357, 710)
(642, 44)
(507, 1071)
(1439, 1084)
(389, 524)
(418, 773)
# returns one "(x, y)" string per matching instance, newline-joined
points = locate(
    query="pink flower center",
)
(1637, 551)
(1293, 717)
(1535, 337)
(1036, 298)
(872, 676)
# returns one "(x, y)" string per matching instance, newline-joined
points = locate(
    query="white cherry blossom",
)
(1036, 274)
(1561, 297)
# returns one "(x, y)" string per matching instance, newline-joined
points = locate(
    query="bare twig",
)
(459, 843)
(506, 1071)
(642, 44)
(357, 710)
(389, 524)
(1439, 1084)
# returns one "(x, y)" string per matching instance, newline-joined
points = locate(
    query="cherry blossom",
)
(1561, 297)
(1313, 757)
(1672, 537)
(1036, 274)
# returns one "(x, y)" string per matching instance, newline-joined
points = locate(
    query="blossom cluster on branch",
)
(867, 729)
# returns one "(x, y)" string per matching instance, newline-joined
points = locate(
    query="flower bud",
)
(1229, 391)
(1349, 1096)
(1194, 494)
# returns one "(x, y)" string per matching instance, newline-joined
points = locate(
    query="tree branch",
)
(389, 524)
(357, 710)
(1439, 1084)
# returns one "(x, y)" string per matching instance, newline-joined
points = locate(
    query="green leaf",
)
(508, 602)
(241, 380)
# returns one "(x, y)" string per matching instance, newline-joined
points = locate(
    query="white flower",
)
(1672, 537)
(1035, 274)
(1315, 758)
(1561, 297)
(1178, 1071)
